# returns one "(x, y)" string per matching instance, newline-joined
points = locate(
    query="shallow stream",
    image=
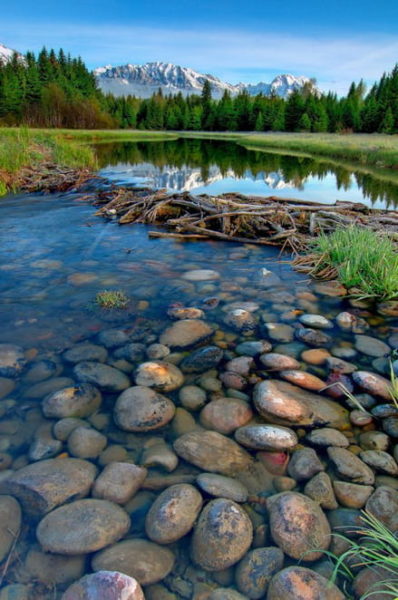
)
(247, 318)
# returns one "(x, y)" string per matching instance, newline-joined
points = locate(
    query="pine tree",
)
(387, 124)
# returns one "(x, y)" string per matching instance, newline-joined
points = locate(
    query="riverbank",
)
(28, 154)
(21, 148)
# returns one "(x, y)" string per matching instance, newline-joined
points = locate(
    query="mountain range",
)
(143, 80)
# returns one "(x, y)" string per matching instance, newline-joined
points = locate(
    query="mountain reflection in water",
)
(215, 167)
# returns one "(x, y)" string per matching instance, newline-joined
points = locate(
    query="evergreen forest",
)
(55, 90)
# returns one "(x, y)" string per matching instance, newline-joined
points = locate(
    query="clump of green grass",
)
(376, 548)
(112, 299)
(362, 259)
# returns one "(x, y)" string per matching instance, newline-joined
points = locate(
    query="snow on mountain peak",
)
(144, 80)
(6, 54)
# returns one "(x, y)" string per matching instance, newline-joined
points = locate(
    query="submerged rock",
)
(162, 376)
(300, 583)
(373, 384)
(186, 333)
(222, 535)
(82, 527)
(42, 486)
(103, 376)
(371, 346)
(141, 409)
(222, 487)
(12, 360)
(145, 561)
(225, 414)
(287, 404)
(266, 437)
(350, 466)
(255, 570)
(10, 524)
(77, 401)
(104, 585)
(298, 526)
(202, 360)
(212, 452)
(173, 513)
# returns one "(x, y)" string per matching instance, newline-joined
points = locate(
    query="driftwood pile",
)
(233, 217)
(50, 178)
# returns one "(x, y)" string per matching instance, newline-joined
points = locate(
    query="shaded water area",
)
(178, 418)
(215, 167)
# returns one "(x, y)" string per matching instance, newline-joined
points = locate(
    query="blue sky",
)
(245, 40)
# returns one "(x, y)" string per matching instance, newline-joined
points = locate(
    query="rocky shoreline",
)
(212, 455)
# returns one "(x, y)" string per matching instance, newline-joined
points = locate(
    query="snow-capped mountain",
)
(7, 53)
(144, 80)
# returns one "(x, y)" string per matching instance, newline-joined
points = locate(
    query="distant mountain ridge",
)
(6, 54)
(144, 80)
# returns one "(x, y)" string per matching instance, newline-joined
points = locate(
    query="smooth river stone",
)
(146, 561)
(279, 362)
(222, 536)
(202, 360)
(225, 414)
(10, 524)
(173, 513)
(221, 486)
(105, 377)
(371, 346)
(43, 485)
(6, 386)
(316, 321)
(298, 526)
(283, 403)
(82, 527)
(186, 333)
(104, 585)
(162, 376)
(381, 461)
(350, 466)
(300, 583)
(12, 360)
(212, 452)
(373, 384)
(303, 379)
(77, 401)
(266, 437)
(201, 275)
(327, 437)
(85, 351)
(142, 409)
(255, 570)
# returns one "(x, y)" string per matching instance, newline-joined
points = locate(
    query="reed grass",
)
(376, 548)
(366, 262)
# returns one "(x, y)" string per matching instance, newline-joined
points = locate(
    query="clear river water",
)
(55, 257)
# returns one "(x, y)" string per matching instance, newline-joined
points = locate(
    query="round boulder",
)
(141, 409)
(104, 585)
(161, 376)
(186, 333)
(222, 535)
(105, 377)
(82, 527)
(145, 561)
(173, 513)
(256, 569)
(77, 401)
(298, 525)
(12, 360)
(266, 437)
(300, 583)
(44, 485)
(225, 414)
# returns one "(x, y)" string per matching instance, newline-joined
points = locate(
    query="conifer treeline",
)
(54, 90)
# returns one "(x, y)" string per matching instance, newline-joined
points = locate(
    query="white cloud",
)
(232, 55)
